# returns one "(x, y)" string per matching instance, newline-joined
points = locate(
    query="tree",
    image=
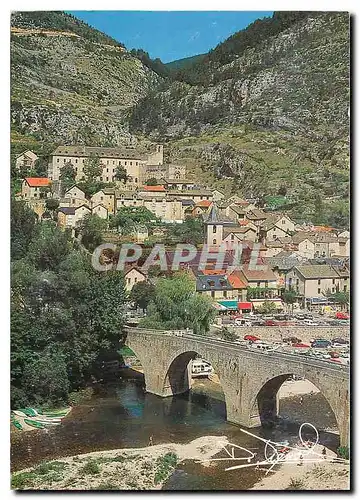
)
(121, 174)
(67, 176)
(92, 168)
(190, 231)
(23, 221)
(228, 335)
(142, 293)
(91, 228)
(290, 297)
(268, 308)
(127, 218)
(49, 247)
(51, 204)
(175, 305)
(152, 182)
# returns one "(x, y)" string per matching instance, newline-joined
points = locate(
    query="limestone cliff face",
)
(71, 83)
(297, 80)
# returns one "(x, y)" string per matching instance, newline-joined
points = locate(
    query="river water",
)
(122, 415)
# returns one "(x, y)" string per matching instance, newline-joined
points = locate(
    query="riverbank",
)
(318, 477)
(122, 469)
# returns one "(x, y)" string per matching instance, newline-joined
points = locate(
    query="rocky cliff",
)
(70, 83)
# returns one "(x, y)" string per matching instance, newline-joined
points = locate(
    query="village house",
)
(26, 160)
(105, 197)
(201, 207)
(34, 187)
(74, 197)
(69, 217)
(100, 211)
(217, 195)
(233, 235)
(132, 276)
(262, 286)
(315, 281)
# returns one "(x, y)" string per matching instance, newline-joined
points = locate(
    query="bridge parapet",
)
(250, 379)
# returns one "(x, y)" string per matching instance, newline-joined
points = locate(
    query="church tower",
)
(215, 228)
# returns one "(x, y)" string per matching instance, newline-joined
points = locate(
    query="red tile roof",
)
(236, 282)
(203, 203)
(37, 181)
(154, 188)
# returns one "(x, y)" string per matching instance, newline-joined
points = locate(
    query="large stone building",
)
(140, 167)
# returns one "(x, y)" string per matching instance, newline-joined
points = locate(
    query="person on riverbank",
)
(150, 441)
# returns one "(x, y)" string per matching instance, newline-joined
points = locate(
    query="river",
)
(122, 415)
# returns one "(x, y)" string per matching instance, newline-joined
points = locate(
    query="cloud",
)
(194, 37)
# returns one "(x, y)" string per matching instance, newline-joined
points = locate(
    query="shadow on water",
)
(122, 415)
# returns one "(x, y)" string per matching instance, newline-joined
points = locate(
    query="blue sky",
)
(170, 35)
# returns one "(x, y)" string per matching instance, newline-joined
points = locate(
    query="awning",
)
(258, 305)
(244, 305)
(229, 304)
(219, 307)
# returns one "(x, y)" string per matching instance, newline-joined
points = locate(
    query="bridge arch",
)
(264, 401)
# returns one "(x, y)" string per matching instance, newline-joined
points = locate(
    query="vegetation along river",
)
(122, 415)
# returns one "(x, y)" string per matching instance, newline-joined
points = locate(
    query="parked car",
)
(270, 322)
(334, 354)
(339, 342)
(292, 340)
(342, 315)
(252, 338)
(321, 344)
(242, 322)
(300, 344)
(310, 322)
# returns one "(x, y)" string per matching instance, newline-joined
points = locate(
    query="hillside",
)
(274, 115)
(185, 63)
(70, 82)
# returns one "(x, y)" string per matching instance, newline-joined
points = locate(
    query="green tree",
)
(290, 297)
(268, 307)
(190, 231)
(121, 174)
(152, 181)
(176, 305)
(67, 176)
(142, 293)
(52, 204)
(228, 335)
(23, 221)
(91, 228)
(92, 168)
(49, 247)
(127, 218)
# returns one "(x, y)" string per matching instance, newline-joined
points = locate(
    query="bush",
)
(343, 452)
(21, 480)
(296, 484)
(164, 465)
(91, 467)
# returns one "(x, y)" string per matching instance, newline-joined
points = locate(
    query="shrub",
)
(296, 484)
(91, 467)
(164, 465)
(22, 479)
(343, 452)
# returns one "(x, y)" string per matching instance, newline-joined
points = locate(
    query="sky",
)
(170, 35)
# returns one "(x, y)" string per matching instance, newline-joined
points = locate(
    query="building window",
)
(64, 160)
(107, 179)
(136, 163)
(75, 160)
(345, 288)
(131, 163)
(107, 170)
(212, 294)
(333, 290)
(319, 282)
(258, 284)
(297, 281)
(214, 241)
(136, 179)
(214, 229)
(333, 281)
(283, 221)
(125, 163)
(225, 294)
(135, 280)
(319, 290)
(57, 160)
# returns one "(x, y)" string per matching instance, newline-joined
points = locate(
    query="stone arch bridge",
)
(250, 380)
